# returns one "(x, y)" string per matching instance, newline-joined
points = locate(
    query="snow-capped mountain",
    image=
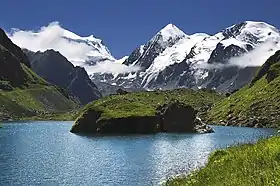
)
(82, 51)
(98, 51)
(173, 59)
(170, 59)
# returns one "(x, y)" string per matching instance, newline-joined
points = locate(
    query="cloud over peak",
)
(50, 37)
(53, 36)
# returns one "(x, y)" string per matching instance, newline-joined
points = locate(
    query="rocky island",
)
(146, 112)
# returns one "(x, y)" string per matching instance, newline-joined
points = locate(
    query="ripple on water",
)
(46, 153)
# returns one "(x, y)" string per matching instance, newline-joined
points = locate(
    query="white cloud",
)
(111, 67)
(50, 37)
(256, 57)
(53, 35)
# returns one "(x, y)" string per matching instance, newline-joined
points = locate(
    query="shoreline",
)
(222, 161)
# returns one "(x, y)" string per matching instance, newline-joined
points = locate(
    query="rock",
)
(6, 87)
(229, 117)
(258, 125)
(56, 69)
(87, 123)
(90, 123)
(172, 117)
(228, 94)
(129, 125)
(177, 117)
(14, 49)
(121, 92)
(251, 122)
(201, 127)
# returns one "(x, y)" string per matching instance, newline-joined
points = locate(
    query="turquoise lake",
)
(46, 153)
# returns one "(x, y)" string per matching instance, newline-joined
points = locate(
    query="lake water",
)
(46, 153)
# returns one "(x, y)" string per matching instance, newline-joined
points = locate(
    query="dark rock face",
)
(150, 51)
(140, 125)
(56, 69)
(5, 86)
(10, 69)
(88, 123)
(108, 89)
(172, 117)
(177, 117)
(11, 59)
(176, 75)
(82, 87)
(230, 78)
(234, 31)
(136, 54)
(14, 49)
(222, 54)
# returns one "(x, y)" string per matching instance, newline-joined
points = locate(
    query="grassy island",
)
(141, 106)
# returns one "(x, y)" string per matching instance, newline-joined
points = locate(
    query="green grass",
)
(32, 78)
(35, 99)
(57, 116)
(40, 101)
(245, 165)
(260, 100)
(145, 103)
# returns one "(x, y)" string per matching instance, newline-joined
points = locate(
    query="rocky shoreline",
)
(271, 120)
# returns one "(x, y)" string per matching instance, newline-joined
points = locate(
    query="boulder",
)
(177, 117)
(201, 127)
(121, 92)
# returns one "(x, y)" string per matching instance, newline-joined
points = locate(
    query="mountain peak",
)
(171, 30)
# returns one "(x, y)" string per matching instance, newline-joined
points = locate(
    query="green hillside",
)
(257, 104)
(35, 98)
(22, 92)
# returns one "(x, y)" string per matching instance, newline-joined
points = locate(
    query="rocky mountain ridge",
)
(172, 59)
(56, 69)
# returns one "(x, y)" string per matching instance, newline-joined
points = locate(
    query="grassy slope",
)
(260, 100)
(248, 165)
(145, 103)
(36, 98)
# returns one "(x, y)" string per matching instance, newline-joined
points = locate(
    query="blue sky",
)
(125, 24)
